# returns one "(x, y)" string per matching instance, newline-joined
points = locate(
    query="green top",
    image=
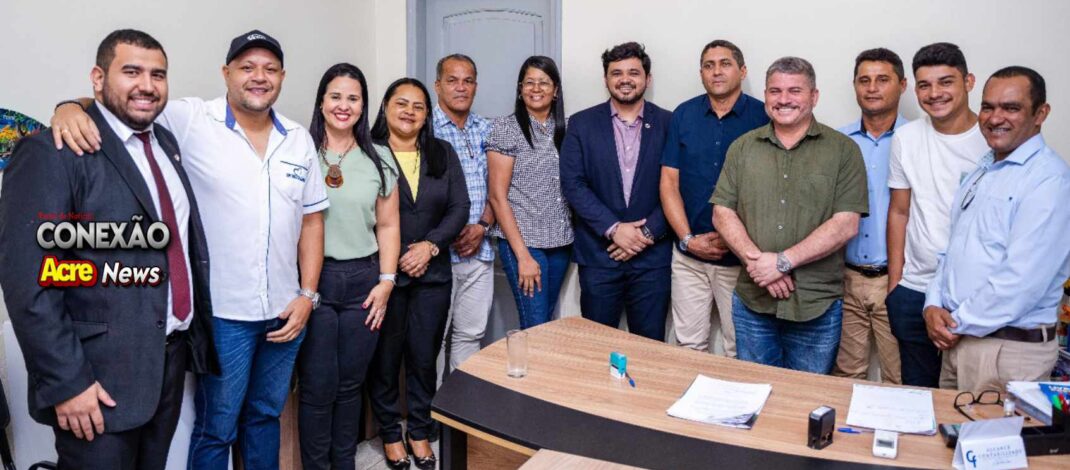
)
(349, 223)
(782, 196)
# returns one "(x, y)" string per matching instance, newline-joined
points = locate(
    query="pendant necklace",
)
(334, 177)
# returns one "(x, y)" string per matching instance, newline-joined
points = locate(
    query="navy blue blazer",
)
(591, 181)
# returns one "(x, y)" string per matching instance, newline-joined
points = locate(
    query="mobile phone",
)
(275, 325)
(950, 432)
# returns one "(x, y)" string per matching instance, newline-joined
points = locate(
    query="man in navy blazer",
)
(610, 172)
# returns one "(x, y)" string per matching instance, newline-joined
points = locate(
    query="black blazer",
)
(73, 336)
(437, 215)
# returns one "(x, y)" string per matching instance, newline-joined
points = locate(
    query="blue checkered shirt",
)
(470, 145)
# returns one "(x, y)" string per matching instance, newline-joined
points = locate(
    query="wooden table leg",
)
(453, 447)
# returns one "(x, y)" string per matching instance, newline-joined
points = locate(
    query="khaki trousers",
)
(979, 364)
(700, 290)
(865, 316)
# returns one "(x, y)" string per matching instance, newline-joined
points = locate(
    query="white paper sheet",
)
(903, 410)
(714, 401)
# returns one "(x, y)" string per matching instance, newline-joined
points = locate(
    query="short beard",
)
(635, 99)
(117, 106)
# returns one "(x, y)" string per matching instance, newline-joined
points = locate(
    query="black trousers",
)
(411, 334)
(141, 448)
(608, 293)
(333, 363)
(918, 355)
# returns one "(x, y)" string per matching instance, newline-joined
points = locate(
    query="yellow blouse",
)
(410, 165)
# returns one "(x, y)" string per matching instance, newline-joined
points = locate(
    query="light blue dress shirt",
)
(869, 247)
(1009, 252)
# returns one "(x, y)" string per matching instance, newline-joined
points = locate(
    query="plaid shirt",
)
(470, 145)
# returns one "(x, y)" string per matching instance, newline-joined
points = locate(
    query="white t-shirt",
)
(931, 165)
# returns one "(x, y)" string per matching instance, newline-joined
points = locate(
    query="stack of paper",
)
(714, 401)
(1032, 400)
(903, 410)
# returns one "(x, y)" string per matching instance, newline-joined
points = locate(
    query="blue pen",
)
(849, 431)
(630, 380)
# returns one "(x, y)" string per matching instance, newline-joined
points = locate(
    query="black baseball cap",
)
(254, 38)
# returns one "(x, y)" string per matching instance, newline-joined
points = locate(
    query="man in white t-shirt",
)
(928, 159)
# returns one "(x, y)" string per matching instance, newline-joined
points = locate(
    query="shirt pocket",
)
(816, 193)
(994, 215)
(288, 179)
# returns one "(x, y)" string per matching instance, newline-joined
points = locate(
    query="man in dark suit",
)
(610, 172)
(107, 340)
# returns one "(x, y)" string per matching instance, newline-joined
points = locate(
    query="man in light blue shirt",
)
(471, 253)
(879, 82)
(992, 304)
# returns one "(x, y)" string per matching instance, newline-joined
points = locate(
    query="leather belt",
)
(175, 336)
(1036, 335)
(869, 271)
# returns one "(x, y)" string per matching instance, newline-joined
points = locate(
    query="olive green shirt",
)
(349, 224)
(782, 195)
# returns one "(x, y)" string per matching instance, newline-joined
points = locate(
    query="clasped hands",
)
(762, 269)
(415, 261)
(628, 240)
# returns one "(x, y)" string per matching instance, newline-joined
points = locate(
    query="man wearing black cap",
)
(257, 175)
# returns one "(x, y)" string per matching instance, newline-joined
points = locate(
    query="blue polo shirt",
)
(696, 145)
(869, 247)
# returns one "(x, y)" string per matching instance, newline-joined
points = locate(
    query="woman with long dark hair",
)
(361, 245)
(525, 191)
(434, 208)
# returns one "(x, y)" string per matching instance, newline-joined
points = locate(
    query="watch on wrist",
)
(647, 233)
(434, 248)
(393, 278)
(310, 295)
(484, 224)
(783, 264)
(682, 245)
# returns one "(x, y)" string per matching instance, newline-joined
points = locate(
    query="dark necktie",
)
(176, 258)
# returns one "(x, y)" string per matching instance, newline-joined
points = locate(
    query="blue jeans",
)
(244, 403)
(809, 346)
(553, 264)
(918, 355)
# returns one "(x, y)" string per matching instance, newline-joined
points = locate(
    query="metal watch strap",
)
(682, 245)
(310, 295)
(783, 264)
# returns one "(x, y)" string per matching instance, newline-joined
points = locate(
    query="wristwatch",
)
(389, 277)
(682, 244)
(783, 264)
(313, 296)
(484, 224)
(434, 248)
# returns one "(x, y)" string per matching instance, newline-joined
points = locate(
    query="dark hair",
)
(133, 37)
(425, 140)
(736, 52)
(1038, 90)
(442, 62)
(318, 127)
(628, 50)
(881, 54)
(557, 107)
(941, 53)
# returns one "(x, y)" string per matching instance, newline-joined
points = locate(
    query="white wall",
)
(828, 33)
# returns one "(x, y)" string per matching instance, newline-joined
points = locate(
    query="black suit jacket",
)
(73, 336)
(437, 215)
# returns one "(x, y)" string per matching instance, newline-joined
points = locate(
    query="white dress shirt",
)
(252, 208)
(179, 199)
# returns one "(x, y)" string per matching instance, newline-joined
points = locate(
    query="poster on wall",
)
(14, 126)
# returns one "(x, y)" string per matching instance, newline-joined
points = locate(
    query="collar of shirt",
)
(737, 107)
(547, 128)
(1024, 152)
(615, 113)
(282, 125)
(440, 119)
(768, 133)
(121, 129)
(859, 128)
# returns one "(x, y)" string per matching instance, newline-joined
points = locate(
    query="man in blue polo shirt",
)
(878, 82)
(704, 271)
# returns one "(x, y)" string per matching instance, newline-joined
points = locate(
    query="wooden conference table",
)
(568, 403)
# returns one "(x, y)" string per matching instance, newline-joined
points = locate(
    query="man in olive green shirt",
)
(789, 198)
